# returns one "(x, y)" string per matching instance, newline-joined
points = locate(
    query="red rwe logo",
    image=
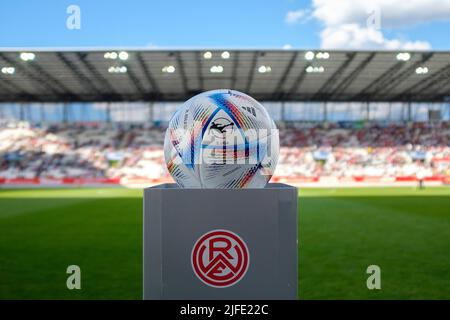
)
(220, 258)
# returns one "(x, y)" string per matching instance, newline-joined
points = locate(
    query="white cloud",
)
(359, 24)
(393, 13)
(354, 36)
(287, 46)
(295, 16)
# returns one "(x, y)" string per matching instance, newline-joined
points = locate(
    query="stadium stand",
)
(106, 153)
(395, 116)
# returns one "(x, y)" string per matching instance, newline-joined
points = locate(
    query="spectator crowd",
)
(102, 150)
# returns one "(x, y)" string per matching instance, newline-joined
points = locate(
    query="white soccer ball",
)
(221, 139)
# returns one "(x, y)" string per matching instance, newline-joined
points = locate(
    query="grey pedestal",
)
(182, 244)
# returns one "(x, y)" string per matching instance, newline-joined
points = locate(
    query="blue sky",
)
(225, 24)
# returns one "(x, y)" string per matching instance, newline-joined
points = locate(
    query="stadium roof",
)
(175, 75)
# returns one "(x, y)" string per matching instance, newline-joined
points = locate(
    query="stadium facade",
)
(98, 115)
(296, 85)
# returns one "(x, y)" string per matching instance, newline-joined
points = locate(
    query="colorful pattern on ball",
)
(221, 139)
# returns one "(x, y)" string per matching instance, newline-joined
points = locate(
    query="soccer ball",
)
(221, 139)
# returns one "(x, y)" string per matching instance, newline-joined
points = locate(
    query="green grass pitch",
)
(341, 231)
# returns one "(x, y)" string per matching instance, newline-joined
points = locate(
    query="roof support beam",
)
(198, 59)
(84, 81)
(148, 75)
(326, 87)
(5, 86)
(97, 75)
(380, 81)
(52, 80)
(10, 89)
(184, 80)
(298, 81)
(36, 80)
(420, 86)
(252, 72)
(351, 77)
(9, 86)
(136, 82)
(440, 81)
(45, 77)
(286, 71)
(234, 71)
(395, 81)
(443, 83)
